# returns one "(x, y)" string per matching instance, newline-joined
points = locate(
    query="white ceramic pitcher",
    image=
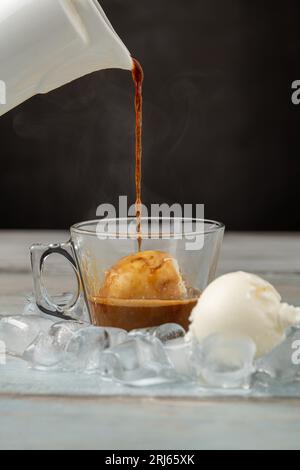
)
(45, 44)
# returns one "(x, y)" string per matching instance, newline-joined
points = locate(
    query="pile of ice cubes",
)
(146, 356)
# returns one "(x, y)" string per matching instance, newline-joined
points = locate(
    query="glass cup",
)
(126, 288)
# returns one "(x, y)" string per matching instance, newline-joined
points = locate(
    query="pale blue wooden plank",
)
(68, 423)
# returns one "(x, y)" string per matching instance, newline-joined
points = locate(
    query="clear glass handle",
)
(39, 253)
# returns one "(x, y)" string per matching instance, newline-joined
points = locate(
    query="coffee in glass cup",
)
(127, 288)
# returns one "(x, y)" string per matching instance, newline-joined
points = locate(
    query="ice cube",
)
(44, 352)
(116, 336)
(63, 331)
(19, 331)
(283, 362)
(226, 360)
(142, 331)
(84, 348)
(138, 361)
(179, 352)
(165, 332)
(48, 350)
(169, 332)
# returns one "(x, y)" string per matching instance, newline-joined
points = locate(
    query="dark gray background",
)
(219, 125)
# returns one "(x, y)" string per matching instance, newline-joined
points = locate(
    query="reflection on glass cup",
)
(128, 289)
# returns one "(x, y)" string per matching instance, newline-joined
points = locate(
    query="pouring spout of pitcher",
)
(88, 17)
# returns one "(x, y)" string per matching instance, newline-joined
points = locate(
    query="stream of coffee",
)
(143, 312)
(138, 77)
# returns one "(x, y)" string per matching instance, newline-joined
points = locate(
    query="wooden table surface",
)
(39, 411)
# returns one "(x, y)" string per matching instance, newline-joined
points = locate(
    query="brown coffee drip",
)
(138, 77)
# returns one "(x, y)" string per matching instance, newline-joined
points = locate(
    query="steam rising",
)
(83, 139)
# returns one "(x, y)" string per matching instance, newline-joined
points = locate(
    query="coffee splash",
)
(138, 77)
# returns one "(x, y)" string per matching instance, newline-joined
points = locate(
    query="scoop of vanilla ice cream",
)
(243, 303)
(144, 275)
